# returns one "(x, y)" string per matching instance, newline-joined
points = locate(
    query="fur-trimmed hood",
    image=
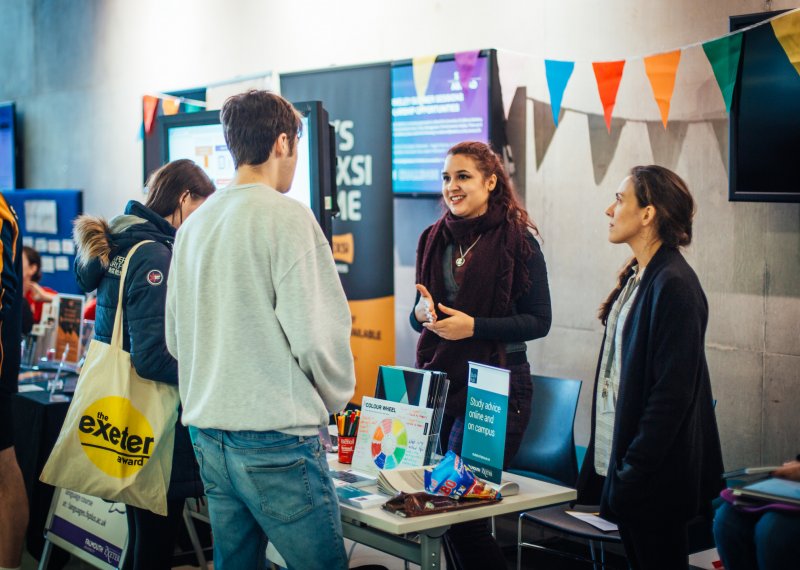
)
(99, 241)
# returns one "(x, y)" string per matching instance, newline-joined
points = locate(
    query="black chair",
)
(547, 451)
(556, 518)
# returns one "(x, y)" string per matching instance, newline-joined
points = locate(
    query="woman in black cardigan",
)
(662, 462)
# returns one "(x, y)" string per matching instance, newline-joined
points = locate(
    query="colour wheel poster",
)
(390, 435)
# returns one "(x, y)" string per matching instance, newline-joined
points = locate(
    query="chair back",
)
(547, 451)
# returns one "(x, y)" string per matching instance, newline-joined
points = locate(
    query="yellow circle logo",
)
(116, 436)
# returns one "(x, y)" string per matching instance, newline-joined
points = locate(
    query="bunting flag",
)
(723, 55)
(422, 68)
(149, 104)
(543, 130)
(465, 63)
(666, 144)
(558, 74)
(608, 75)
(510, 68)
(603, 146)
(787, 30)
(661, 70)
(170, 106)
(189, 108)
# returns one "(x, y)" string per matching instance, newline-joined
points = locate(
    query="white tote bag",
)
(117, 439)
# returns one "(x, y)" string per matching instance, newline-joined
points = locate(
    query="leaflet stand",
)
(89, 528)
(436, 450)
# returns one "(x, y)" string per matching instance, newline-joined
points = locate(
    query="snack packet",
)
(453, 478)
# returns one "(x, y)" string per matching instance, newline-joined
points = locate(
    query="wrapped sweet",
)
(453, 478)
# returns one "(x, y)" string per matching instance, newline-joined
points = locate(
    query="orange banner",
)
(170, 106)
(608, 75)
(372, 341)
(149, 104)
(787, 30)
(661, 70)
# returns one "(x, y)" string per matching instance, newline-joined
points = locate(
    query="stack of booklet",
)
(424, 388)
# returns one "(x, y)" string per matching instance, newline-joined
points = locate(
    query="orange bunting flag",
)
(608, 75)
(661, 70)
(787, 31)
(170, 106)
(150, 104)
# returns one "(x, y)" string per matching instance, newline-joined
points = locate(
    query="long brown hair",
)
(675, 208)
(488, 163)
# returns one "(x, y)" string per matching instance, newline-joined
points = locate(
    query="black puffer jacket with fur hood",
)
(102, 249)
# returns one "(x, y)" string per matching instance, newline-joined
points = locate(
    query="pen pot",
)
(347, 444)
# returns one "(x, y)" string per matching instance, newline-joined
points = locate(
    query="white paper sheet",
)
(41, 216)
(594, 520)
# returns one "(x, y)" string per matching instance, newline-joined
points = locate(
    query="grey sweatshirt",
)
(257, 317)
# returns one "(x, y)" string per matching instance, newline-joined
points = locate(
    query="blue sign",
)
(484, 443)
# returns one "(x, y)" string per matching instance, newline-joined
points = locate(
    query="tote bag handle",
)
(116, 335)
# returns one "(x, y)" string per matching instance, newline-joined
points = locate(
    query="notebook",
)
(773, 489)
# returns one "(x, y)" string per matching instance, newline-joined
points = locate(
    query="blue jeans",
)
(269, 484)
(768, 540)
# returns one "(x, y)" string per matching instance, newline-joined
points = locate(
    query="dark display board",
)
(357, 100)
(764, 118)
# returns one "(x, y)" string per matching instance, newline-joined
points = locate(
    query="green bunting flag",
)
(723, 55)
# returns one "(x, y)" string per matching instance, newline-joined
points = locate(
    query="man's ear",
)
(281, 146)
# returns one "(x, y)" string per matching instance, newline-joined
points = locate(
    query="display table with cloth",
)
(37, 423)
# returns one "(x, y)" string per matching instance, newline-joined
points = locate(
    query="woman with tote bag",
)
(175, 191)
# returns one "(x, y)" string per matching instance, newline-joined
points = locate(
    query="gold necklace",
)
(460, 260)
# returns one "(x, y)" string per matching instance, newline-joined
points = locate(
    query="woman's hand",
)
(425, 311)
(790, 470)
(39, 294)
(458, 326)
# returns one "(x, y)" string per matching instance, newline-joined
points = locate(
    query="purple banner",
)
(86, 541)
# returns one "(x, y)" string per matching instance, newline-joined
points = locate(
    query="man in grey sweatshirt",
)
(259, 323)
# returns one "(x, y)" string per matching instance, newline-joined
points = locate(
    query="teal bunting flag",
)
(558, 74)
(723, 55)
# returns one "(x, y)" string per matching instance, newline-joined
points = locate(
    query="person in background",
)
(654, 459)
(765, 537)
(482, 292)
(13, 497)
(258, 319)
(36, 294)
(176, 190)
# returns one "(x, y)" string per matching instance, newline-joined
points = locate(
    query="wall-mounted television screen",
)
(425, 127)
(764, 118)
(8, 147)
(199, 137)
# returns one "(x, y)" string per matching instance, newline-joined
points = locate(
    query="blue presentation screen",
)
(424, 128)
(7, 154)
(205, 145)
